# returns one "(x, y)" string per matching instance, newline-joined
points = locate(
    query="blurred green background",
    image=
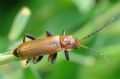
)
(79, 18)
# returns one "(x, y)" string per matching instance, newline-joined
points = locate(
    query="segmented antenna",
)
(97, 52)
(105, 25)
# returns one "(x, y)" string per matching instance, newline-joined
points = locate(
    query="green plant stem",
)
(7, 57)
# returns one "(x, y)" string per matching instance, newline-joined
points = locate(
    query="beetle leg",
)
(48, 33)
(63, 33)
(27, 61)
(52, 58)
(66, 54)
(28, 36)
(37, 59)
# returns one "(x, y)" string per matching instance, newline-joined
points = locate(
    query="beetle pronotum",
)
(51, 45)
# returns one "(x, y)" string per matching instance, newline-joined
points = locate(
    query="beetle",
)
(37, 48)
(51, 45)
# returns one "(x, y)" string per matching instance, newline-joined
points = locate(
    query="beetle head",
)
(68, 42)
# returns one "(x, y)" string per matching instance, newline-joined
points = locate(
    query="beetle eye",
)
(67, 42)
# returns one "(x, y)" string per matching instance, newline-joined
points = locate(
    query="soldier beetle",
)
(51, 45)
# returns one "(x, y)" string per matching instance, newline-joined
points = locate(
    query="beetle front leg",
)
(63, 33)
(28, 36)
(66, 54)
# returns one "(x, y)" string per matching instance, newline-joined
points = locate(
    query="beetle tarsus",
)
(28, 36)
(37, 59)
(27, 61)
(48, 33)
(66, 54)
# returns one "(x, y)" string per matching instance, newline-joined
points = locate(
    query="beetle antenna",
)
(97, 52)
(105, 25)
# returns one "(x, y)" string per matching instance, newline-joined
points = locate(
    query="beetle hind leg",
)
(27, 61)
(37, 59)
(28, 36)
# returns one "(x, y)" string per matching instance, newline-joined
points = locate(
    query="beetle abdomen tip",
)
(15, 53)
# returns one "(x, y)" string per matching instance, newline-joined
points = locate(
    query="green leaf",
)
(19, 23)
